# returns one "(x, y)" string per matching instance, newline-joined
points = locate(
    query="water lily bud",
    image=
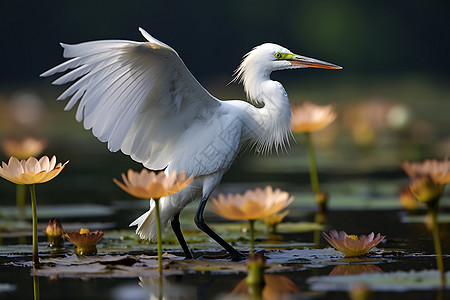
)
(54, 232)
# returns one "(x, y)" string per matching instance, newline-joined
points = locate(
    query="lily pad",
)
(14, 250)
(62, 211)
(107, 266)
(399, 281)
(315, 258)
(441, 218)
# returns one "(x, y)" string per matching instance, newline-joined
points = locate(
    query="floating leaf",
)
(103, 266)
(63, 211)
(441, 218)
(394, 281)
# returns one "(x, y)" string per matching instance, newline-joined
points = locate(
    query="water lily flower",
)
(30, 172)
(24, 148)
(54, 232)
(436, 170)
(252, 205)
(310, 117)
(428, 179)
(352, 245)
(148, 184)
(307, 118)
(85, 240)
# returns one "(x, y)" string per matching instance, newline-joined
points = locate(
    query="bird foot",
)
(238, 256)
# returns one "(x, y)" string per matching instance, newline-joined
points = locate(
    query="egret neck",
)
(271, 114)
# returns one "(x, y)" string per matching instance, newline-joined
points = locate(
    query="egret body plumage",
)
(140, 98)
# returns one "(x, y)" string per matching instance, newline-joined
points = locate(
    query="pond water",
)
(299, 260)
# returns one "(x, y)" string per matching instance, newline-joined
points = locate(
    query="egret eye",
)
(278, 55)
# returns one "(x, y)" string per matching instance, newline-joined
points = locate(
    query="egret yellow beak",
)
(303, 61)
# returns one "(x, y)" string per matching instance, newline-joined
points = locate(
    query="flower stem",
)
(312, 165)
(35, 232)
(432, 211)
(158, 232)
(20, 200)
(252, 236)
(36, 287)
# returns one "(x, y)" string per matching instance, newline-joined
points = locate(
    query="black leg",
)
(177, 230)
(200, 222)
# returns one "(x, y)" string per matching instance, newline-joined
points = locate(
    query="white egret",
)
(141, 98)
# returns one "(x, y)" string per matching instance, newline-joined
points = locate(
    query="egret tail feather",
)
(146, 224)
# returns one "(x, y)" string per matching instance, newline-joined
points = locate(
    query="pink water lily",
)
(352, 245)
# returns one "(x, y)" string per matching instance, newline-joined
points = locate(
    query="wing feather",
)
(137, 96)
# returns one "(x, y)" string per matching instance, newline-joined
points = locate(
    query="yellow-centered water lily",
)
(32, 170)
(85, 240)
(352, 245)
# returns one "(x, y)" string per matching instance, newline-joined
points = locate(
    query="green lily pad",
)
(8, 226)
(314, 258)
(105, 266)
(9, 250)
(399, 281)
(442, 218)
(62, 211)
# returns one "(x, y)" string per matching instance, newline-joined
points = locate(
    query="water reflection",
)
(355, 269)
(275, 287)
(36, 287)
(160, 287)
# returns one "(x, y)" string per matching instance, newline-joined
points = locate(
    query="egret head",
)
(269, 57)
(266, 58)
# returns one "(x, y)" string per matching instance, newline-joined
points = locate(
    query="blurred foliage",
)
(392, 96)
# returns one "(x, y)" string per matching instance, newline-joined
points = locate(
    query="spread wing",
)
(137, 96)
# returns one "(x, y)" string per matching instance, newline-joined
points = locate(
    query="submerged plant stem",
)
(432, 211)
(312, 165)
(158, 232)
(35, 232)
(36, 287)
(252, 236)
(20, 200)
